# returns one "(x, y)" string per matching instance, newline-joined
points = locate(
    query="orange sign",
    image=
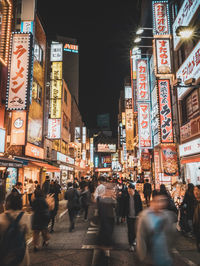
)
(18, 128)
(34, 151)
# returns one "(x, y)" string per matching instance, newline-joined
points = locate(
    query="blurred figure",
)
(147, 191)
(40, 219)
(132, 207)
(155, 232)
(17, 188)
(85, 200)
(55, 190)
(73, 204)
(14, 226)
(30, 190)
(82, 183)
(196, 219)
(100, 190)
(107, 203)
(170, 202)
(2, 198)
(188, 205)
(46, 186)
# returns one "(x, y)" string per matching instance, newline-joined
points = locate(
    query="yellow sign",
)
(123, 119)
(129, 129)
(56, 70)
(56, 89)
(55, 108)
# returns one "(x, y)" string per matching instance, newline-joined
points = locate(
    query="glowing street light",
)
(141, 30)
(137, 40)
(184, 32)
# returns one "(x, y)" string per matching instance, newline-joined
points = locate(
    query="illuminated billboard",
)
(163, 57)
(143, 90)
(20, 66)
(18, 128)
(161, 24)
(34, 151)
(56, 52)
(72, 48)
(106, 148)
(144, 125)
(54, 128)
(2, 138)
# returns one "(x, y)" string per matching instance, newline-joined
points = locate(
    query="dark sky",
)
(105, 31)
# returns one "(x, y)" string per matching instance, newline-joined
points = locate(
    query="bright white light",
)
(136, 48)
(186, 34)
(140, 31)
(138, 39)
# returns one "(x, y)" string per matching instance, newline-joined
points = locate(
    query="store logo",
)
(18, 123)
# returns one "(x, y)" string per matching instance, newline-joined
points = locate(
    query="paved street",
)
(80, 247)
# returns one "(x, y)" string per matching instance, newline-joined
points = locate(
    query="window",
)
(65, 96)
(36, 92)
(38, 53)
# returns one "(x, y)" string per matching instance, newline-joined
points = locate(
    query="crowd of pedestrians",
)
(151, 224)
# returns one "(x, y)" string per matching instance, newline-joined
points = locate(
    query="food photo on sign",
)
(169, 157)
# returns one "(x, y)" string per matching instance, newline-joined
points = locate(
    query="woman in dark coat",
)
(40, 219)
(196, 218)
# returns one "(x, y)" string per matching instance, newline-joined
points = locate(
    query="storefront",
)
(190, 161)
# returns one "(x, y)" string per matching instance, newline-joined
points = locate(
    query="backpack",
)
(13, 243)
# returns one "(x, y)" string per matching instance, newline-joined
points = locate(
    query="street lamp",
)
(141, 30)
(138, 39)
(184, 32)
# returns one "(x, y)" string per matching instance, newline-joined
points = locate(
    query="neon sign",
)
(72, 48)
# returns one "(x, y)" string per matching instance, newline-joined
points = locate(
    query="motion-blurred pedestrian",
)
(147, 189)
(85, 200)
(55, 190)
(196, 218)
(46, 186)
(30, 190)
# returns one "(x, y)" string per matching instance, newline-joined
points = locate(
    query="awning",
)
(191, 159)
(49, 167)
(7, 162)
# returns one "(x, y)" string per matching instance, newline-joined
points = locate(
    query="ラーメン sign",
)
(163, 58)
(161, 25)
(184, 17)
(143, 90)
(165, 110)
(144, 125)
(19, 76)
(18, 128)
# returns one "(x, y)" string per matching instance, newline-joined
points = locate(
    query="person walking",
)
(155, 232)
(17, 188)
(196, 218)
(132, 207)
(73, 204)
(40, 219)
(46, 186)
(30, 190)
(170, 202)
(147, 190)
(85, 200)
(55, 190)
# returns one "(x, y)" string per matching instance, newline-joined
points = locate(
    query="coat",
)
(147, 189)
(72, 196)
(40, 218)
(137, 205)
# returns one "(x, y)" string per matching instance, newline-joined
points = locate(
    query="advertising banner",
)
(163, 56)
(84, 135)
(154, 117)
(143, 90)
(144, 125)
(169, 160)
(2, 138)
(165, 111)
(190, 148)
(129, 130)
(145, 161)
(34, 151)
(161, 24)
(106, 148)
(19, 76)
(128, 92)
(77, 134)
(18, 128)
(91, 152)
(184, 17)
(157, 169)
(54, 128)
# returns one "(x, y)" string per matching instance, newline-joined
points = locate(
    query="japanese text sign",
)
(34, 151)
(144, 125)
(20, 64)
(129, 129)
(184, 17)
(161, 18)
(56, 52)
(157, 169)
(165, 110)
(54, 128)
(189, 69)
(18, 128)
(163, 58)
(143, 90)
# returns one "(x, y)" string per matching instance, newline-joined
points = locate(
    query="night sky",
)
(105, 32)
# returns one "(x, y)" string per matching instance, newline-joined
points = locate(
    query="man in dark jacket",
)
(18, 188)
(132, 207)
(46, 186)
(72, 196)
(147, 190)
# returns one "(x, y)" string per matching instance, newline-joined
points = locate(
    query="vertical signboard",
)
(161, 24)
(20, 67)
(129, 118)
(157, 169)
(18, 128)
(2, 138)
(77, 134)
(144, 125)
(91, 152)
(169, 161)
(165, 111)
(56, 52)
(143, 90)
(54, 128)
(84, 135)
(163, 57)
(155, 117)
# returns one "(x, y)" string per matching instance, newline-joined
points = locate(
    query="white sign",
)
(189, 69)
(189, 148)
(64, 158)
(184, 17)
(160, 18)
(128, 92)
(19, 72)
(84, 135)
(2, 138)
(77, 137)
(106, 147)
(143, 90)
(163, 57)
(56, 52)
(144, 125)
(54, 128)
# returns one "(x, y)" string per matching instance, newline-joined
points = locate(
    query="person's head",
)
(190, 187)
(86, 187)
(47, 177)
(31, 181)
(82, 178)
(197, 192)
(19, 185)
(159, 201)
(69, 185)
(162, 188)
(131, 189)
(13, 202)
(39, 193)
(35, 182)
(147, 180)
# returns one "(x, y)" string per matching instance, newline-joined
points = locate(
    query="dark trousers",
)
(29, 199)
(131, 230)
(85, 208)
(147, 197)
(72, 215)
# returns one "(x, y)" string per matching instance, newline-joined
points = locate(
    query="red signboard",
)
(19, 77)
(145, 161)
(165, 111)
(143, 91)
(161, 18)
(18, 128)
(169, 158)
